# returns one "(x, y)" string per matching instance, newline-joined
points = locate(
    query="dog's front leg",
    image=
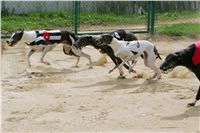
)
(130, 67)
(32, 51)
(120, 66)
(196, 99)
(125, 65)
(113, 69)
(46, 49)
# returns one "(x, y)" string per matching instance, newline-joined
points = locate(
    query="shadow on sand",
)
(118, 84)
(191, 112)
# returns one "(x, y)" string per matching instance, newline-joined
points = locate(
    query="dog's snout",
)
(7, 41)
(99, 42)
(161, 67)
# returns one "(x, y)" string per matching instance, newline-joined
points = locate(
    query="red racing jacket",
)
(196, 56)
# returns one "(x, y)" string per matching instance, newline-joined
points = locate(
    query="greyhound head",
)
(130, 37)
(15, 37)
(171, 61)
(84, 41)
(105, 40)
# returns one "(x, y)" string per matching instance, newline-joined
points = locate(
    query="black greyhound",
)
(189, 58)
(119, 34)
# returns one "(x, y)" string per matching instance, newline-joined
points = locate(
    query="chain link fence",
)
(104, 16)
(31, 15)
(174, 16)
(89, 16)
(24, 7)
(92, 16)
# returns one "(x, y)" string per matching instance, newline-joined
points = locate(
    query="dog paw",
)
(46, 62)
(76, 66)
(190, 104)
(121, 77)
(158, 77)
(90, 67)
(110, 71)
(132, 71)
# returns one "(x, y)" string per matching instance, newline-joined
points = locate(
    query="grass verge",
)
(61, 19)
(180, 29)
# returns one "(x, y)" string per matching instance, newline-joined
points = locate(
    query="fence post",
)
(149, 17)
(153, 16)
(76, 16)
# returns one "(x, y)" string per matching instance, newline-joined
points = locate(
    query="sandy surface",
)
(64, 98)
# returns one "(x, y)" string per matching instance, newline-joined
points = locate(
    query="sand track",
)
(61, 97)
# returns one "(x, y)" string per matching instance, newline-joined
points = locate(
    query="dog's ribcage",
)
(47, 37)
(132, 48)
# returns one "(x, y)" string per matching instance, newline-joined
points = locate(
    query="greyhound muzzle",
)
(11, 43)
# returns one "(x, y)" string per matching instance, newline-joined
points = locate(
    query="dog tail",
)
(156, 53)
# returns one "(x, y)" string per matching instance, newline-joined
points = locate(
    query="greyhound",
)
(131, 50)
(189, 58)
(93, 41)
(45, 41)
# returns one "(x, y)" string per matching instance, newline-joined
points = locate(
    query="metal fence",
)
(105, 16)
(21, 7)
(91, 17)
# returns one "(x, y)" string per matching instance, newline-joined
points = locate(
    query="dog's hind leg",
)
(150, 62)
(157, 74)
(78, 59)
(32, 51)
(46, 49)
(88, 57)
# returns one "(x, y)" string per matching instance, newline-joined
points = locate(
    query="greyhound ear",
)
(179, 57)
(177, 54)
(90, 37)
(22, 30)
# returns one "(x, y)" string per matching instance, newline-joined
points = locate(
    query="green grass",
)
(97, 18)
(180, 29)
(178, 15)
(51, 20)
(12, 23)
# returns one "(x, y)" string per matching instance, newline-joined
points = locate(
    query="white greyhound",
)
(130, 50)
